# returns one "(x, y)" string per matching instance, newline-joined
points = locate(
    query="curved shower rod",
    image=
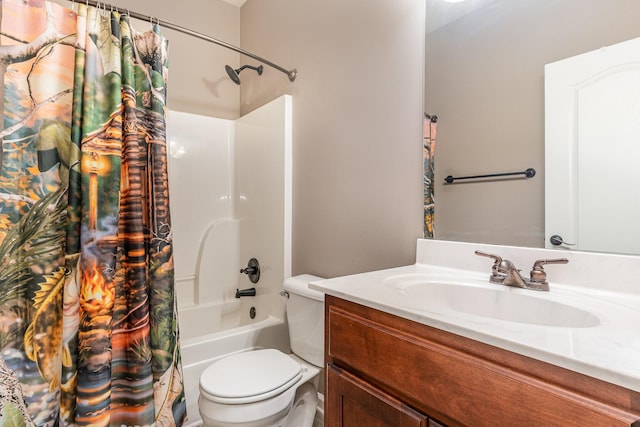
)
(291, 74)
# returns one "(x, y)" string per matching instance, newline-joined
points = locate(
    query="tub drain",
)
(252, 312)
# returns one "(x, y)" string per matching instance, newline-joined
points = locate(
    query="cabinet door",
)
(353, 402)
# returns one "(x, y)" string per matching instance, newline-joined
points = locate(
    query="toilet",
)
(266, 387)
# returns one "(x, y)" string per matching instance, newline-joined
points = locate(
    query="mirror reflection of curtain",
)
(428, 152)
(88, 319)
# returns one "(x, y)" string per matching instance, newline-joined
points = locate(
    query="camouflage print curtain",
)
(428, 163)
(88, 321)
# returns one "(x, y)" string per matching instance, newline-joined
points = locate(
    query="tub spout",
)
(250, 292)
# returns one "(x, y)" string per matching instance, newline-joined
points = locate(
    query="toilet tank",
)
(305, 317)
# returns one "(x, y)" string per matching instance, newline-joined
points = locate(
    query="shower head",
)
(235, 74)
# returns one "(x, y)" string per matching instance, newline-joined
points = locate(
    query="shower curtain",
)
(428, 152)
(88, 319)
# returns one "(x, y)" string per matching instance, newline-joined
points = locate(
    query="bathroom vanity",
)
(393, 372)
(395, 359)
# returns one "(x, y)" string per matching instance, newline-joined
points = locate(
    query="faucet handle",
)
(497, 258)
(497, 276)
(538, 275)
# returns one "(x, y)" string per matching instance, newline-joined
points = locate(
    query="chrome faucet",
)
(504, 272)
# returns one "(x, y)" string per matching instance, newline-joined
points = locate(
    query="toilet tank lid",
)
(300, 285)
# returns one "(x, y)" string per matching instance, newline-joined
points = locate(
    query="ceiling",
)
(441, 12)
(237, 3)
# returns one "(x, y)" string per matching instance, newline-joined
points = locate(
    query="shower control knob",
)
(252, 270)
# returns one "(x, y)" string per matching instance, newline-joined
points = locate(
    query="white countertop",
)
(609, 350)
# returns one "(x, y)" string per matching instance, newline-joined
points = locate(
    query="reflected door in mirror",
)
(592, 149)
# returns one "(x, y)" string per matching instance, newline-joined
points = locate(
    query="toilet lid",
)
(250, 376)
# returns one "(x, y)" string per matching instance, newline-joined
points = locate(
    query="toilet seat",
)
(249, 377)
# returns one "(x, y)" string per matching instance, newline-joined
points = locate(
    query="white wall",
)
(357, 111)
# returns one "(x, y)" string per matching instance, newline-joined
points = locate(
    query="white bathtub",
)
(198, 352)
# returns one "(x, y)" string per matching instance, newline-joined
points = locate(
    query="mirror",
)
(484, 79)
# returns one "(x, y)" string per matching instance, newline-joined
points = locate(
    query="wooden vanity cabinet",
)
(383, 370)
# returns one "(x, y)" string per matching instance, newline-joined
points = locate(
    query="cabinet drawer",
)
(354, 403)
(453, 386)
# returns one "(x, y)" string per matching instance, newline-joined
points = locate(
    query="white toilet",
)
(266, 387)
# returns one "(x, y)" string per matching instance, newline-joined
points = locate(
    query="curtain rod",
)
(292, 74)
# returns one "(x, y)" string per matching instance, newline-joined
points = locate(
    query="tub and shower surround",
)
(231, 182)
(231, 187)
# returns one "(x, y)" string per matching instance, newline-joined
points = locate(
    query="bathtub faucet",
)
(251, 292)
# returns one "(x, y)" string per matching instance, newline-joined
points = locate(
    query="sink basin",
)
(501, 303)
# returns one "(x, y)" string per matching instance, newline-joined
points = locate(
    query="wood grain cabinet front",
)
(354, 402)
(383, 370)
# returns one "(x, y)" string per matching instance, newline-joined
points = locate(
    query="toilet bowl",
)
(266, 387)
